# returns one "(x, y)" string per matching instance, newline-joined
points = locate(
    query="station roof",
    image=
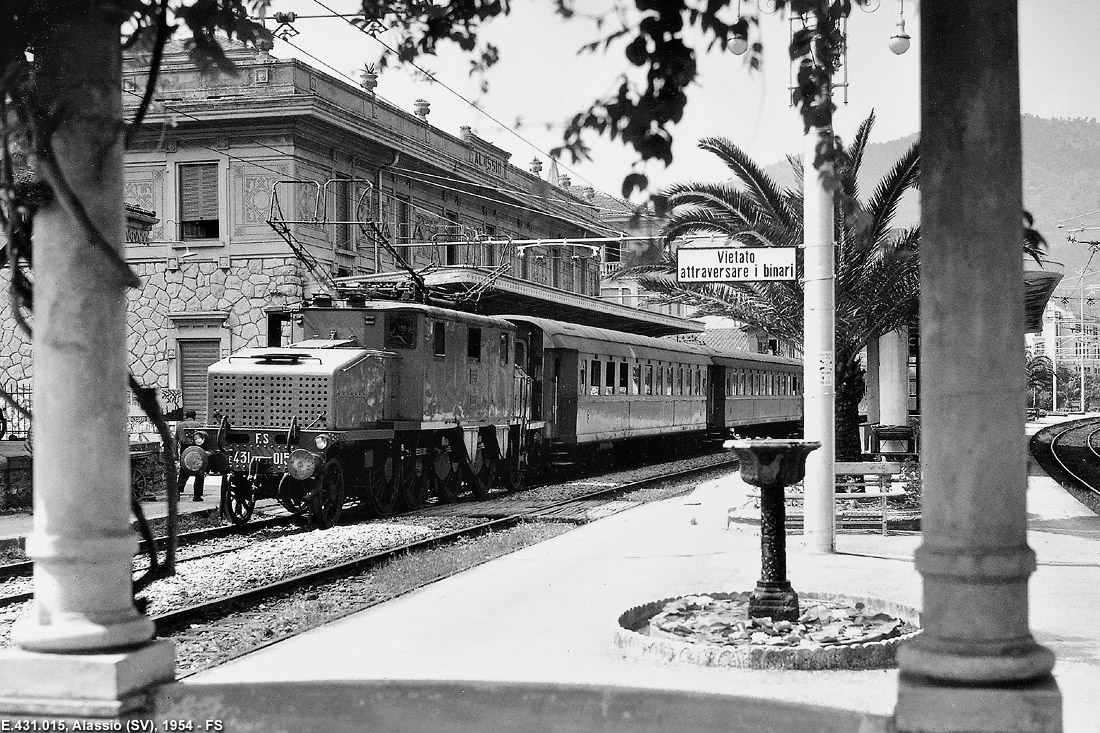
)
(494, 295)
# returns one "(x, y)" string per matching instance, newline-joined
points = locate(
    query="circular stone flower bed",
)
(714, 630)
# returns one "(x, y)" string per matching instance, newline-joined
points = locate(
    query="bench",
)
(855, 481)
(868, 480)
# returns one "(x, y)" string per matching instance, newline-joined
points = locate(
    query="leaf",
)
(634, 181)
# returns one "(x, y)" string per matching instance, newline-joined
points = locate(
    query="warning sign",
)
(734, 264)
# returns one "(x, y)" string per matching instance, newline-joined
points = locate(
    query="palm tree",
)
(877, 270)
(1040, 371)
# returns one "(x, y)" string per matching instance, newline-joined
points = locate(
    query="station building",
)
(251, 193)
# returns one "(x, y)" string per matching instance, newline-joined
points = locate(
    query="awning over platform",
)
(502, 294)
(1039, 284)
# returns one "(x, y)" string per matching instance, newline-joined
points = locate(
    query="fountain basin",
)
(640, 634)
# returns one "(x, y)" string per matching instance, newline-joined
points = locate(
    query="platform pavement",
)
(547, 614)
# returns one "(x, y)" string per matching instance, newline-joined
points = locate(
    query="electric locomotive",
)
(385, 402)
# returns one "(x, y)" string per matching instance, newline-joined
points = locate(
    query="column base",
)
(933, 706)
(775, 600)
(90, 685)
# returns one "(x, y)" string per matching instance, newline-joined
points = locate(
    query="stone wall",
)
(243, 290)
(15, 346)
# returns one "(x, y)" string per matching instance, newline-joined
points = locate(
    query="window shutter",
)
(199, 192)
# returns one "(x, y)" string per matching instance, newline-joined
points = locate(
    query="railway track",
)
(547, 511)
(1075, 449)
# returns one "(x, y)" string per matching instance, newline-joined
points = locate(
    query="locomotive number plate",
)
(261, 447)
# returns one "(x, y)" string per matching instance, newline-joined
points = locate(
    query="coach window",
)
(609, 378)
(668, 381)
(594, 375)
(584, 376)
(505, 348)
(521, 354)
(636, 379)
(660, 380)
(473, 344)
(439, 338)
(740, 381)
(702, 382)
(624, 377)
(649, 379)
(680, 379)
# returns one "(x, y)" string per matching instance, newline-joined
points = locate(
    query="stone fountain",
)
(773, 465)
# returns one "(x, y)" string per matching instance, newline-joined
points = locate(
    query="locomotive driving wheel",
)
(380, 495)
(512, 475)
(482, 471)
(292, 495)
(328, 498)
(444, 474)
(413, 488)
(238, 498)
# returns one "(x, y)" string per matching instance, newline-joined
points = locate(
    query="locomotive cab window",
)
(505, 348)
(401, 331)
(439, 338)
(473, 343)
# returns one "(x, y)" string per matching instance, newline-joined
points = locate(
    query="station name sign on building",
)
(734, 264)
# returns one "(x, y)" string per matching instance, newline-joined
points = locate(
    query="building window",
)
(342, 214)
(403, 225)
(198, 197)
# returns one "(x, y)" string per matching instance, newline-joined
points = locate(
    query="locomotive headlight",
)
(199, 436)
(195, 459)
(322, 441)
(301, 464)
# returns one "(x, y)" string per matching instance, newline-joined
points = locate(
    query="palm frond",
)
(884, 202)
(766, 192)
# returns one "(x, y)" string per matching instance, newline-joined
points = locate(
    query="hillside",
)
(1061, 179)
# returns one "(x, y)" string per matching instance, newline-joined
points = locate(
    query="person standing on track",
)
(189, 422)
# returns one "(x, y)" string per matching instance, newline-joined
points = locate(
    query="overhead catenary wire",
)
(443, 84)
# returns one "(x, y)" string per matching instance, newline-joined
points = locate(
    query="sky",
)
(541, 81)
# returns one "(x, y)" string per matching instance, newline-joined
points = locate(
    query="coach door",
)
(563, 410)
(716, 396)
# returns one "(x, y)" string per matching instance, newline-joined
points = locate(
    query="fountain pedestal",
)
(773, 465)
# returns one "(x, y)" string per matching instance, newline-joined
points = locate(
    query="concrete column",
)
(872, 394)
(819, 315)
(84, 648)
(894, 377)
(976, 667)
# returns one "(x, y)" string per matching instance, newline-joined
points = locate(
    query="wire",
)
(443, 84)
(228, 132)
